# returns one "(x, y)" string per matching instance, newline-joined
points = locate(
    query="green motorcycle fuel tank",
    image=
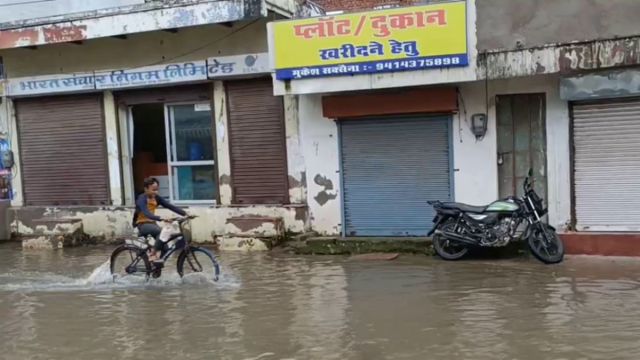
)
(502, 206)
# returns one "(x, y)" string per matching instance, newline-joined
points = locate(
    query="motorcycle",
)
(459, 227)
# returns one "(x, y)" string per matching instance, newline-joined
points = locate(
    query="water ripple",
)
(57, 305)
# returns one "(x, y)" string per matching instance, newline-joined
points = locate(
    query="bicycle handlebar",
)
(182, 219)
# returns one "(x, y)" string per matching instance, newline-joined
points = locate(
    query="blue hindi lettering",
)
(409, 48)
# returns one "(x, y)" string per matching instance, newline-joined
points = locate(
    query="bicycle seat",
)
(139, 242)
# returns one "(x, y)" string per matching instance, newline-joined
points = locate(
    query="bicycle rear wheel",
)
(129, 261)
(197, 260)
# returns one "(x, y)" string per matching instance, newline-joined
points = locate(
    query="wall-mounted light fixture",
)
(479, 125)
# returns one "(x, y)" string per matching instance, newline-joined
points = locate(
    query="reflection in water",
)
(320, 304)
(57, 305)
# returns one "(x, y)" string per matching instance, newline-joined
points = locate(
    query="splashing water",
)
(102, 279)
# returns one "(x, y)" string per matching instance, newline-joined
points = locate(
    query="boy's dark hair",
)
(150, 181)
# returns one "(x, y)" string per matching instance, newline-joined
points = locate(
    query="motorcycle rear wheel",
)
(448, 249)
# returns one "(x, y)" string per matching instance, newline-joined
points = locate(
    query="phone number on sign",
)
(418, 63)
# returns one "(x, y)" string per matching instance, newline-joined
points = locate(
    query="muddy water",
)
(62, 305)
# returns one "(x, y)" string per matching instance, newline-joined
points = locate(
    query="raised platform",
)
(361, 245)
(606, 244)
(55, 234)
(252, 233)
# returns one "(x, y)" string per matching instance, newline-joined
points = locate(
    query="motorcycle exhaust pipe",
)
(456, 237)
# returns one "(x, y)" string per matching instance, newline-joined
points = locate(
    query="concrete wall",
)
(319, 137)
(138, 50)
(477, 180)
(354, 5)
(5, 115)
(507, 24)
(156, 48)
(357, 5)
(475, 162)
(112, 223)
(14, 10)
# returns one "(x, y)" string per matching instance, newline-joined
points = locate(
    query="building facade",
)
(383, 134)
(95, 100)
(257, 138)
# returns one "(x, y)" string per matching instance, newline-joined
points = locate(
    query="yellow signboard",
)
(408, 38)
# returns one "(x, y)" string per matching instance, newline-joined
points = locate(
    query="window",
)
(191, 153)
(170, 135)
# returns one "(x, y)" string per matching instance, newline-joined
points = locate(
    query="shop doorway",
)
(174, 143)
(521, 142)
(149, 147)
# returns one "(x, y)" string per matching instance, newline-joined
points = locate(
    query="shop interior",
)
(193, 166)
(149, 147)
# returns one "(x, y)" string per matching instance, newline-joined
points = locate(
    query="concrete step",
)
(53, 233)
(256, 243)
(361, 245)
(256, 226)
(54, 226)
(303, 237)
(244, 243)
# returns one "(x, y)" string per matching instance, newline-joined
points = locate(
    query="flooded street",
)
(62, 305)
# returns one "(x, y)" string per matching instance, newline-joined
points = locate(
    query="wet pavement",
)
(63, 305)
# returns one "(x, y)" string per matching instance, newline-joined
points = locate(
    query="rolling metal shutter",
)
(607, 166)
(63, 151)
(390, 169)
(257, 142)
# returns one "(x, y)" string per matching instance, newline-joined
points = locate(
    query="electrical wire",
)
(233, 32)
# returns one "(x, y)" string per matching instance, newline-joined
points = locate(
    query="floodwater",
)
(64, 305)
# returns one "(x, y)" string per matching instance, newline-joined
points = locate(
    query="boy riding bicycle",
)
(144, 218)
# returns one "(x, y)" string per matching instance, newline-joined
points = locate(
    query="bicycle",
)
(136, 259)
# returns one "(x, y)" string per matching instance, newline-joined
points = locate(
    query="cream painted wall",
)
(558, 139)
(475, 162)
(5, 114)
(319, 138)
(138, 50)
(20, 10)
(222, 142)
(113, 148)
(295, 156)
(475, 165)
(162, 47)
(16, 181)
(477, 180)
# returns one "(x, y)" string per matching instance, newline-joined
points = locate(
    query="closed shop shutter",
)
(391, 168)
(257, 142)
(607, 166)
(63, 151)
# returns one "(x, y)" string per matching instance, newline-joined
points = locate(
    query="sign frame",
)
(140, 77)
(398, 39)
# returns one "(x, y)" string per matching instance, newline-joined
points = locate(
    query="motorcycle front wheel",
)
(445, 248)
(545, 244)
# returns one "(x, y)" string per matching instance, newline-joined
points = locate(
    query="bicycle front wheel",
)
(197, 260)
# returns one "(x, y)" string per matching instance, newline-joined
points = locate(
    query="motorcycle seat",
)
(464, 207)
